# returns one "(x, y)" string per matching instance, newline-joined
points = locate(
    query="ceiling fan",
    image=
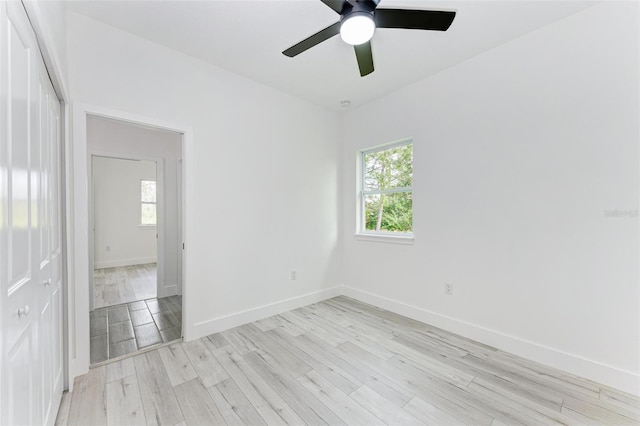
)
(359, 20)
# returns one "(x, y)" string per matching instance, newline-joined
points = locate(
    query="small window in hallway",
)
(148, 202)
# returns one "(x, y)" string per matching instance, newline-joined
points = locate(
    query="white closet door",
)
(50, 283)
(30, 254)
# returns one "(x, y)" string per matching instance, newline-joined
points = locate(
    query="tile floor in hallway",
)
(123, 329)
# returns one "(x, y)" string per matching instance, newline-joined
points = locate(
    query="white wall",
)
(118, 139)
(519, 154)
(119, 240)
(262, 194)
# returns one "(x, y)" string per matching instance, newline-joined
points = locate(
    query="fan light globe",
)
(357, 29)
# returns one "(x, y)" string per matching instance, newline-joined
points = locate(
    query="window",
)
(148, 202)
(386, 201)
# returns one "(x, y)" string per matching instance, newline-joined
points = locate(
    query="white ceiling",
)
(248, 36)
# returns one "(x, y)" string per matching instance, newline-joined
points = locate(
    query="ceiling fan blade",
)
(336, 5)
(365, 58)
(414, 19)
(309, 42)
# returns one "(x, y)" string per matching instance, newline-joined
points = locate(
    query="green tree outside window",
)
(387, 180)
(148, 214)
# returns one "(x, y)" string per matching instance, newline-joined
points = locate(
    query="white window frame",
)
(378, 236)
(148, 225)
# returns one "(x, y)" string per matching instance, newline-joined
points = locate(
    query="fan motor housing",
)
(366, 8)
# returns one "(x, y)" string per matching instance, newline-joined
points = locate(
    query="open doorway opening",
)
(136, 243)
(125, 252)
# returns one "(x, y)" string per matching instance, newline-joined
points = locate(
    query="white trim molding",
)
(609, 375)
(168, 290)
(384, 238)
(215, 325)
(124, 262)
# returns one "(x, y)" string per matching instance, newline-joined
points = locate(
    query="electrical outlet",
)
(294, 275)
(448, 288)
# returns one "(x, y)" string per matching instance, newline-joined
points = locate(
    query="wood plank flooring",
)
(339, 362)
(115, 286)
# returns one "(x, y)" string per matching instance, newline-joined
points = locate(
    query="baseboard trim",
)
(602, 373)
(124, 262)
(216, 325)
(168, 290)
(598, 372)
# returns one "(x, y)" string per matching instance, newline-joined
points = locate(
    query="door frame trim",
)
(78, 190)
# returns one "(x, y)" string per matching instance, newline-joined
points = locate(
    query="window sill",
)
(390, 239)
(146, 226)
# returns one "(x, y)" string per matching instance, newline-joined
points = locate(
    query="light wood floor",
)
(115, 286)
(339, 362)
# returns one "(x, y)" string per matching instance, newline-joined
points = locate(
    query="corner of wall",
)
(215, 325)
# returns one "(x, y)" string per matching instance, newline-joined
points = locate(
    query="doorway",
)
(125, 249)
(136, 239)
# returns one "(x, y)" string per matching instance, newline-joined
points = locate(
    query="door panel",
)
(20, 240)
(50, 273)
(45, 382)
(20, 254)
(42, 132)
(31, 362)
(18, 156)
(56, 350)
(21, 408)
